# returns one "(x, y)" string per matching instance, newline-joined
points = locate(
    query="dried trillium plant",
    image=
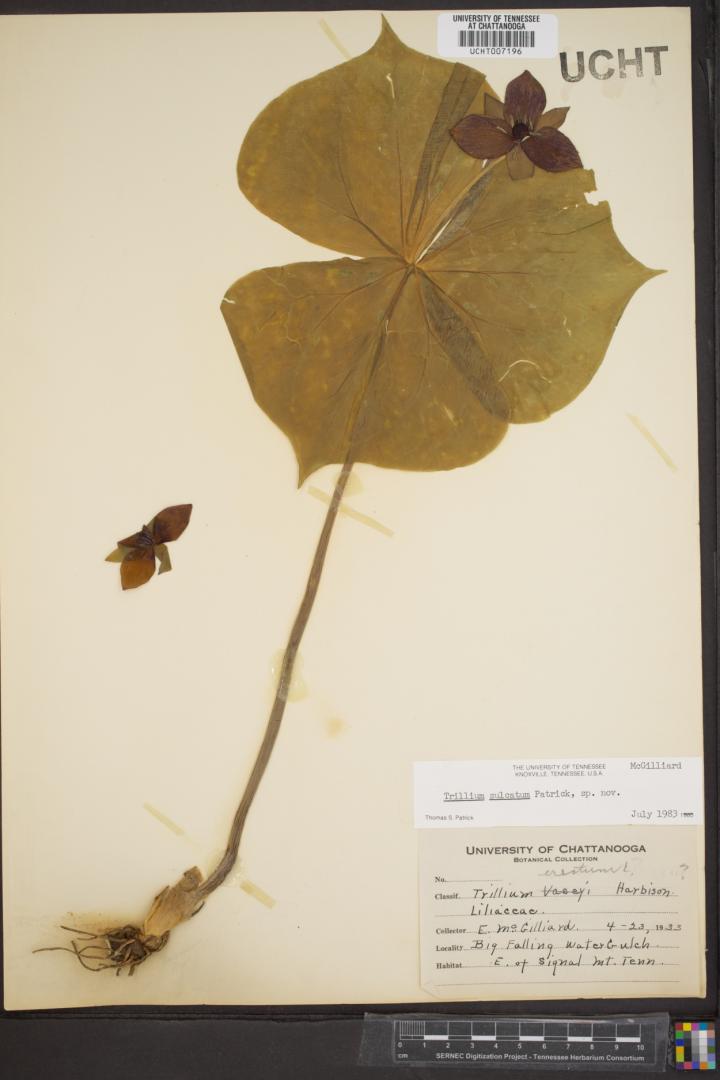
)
(483, 291)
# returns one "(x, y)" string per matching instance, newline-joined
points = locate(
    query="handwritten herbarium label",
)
(561, 912)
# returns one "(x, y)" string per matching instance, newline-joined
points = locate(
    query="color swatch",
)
(695, 1045)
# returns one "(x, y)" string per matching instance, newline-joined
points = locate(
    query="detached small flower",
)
(519, 129)
(137, 553)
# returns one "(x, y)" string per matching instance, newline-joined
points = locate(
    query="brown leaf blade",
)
(347, 158)
(342, 358)
(480, 302)
(462, 347)
(462, 88)
(542, 280)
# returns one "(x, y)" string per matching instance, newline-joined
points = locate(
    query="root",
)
(123, 948)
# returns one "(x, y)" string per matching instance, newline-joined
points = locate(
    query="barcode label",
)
(488, 39)
(509, 34)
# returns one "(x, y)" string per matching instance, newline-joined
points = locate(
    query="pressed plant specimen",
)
(477, 289)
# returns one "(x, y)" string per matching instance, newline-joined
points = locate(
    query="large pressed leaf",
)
(342, 352)
(480, 300)
(355, 157)
(541, 280)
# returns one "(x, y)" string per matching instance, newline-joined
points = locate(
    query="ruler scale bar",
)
(635, 1044)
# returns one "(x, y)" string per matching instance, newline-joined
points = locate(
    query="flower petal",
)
(551, 150)
(140, 539)
(553, 118)
(524, 100)
(493, 107)
(519, 166)
(171, 522)
(482, 136)
(137, 567)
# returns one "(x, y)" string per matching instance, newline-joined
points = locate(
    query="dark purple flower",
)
(137, 553)
(520, 129)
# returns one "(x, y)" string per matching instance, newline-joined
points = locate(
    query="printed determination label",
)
(552, 791)
(510, 34)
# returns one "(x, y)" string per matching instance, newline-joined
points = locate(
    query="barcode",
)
(492, 39)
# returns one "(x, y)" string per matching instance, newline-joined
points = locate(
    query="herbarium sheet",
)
(350, 563)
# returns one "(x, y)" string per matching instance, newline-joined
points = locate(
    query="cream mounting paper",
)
(543, 602)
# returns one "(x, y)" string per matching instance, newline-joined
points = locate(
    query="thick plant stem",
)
(229, 858)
